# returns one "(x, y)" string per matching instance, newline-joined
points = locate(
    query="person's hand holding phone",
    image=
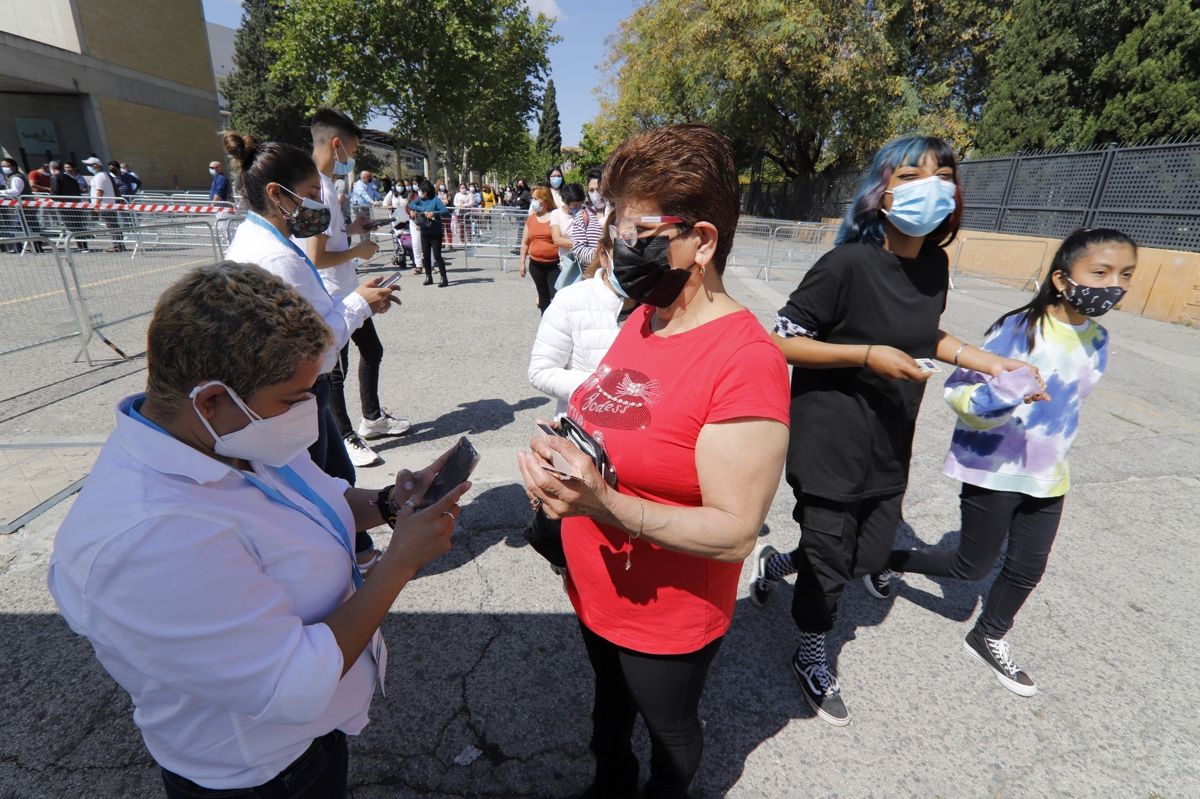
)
(365, 250)
(377, 296)
(422, 535)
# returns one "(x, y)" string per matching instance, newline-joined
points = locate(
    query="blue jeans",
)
(319, 773)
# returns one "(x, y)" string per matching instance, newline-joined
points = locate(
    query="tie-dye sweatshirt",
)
(1000, 442)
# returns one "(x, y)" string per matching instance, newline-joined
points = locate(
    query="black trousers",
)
(544, 274)
(319, 773)
(329, 453)
(370, 355)
(431, 244)
(838, 542)
(666, 690)
(1030, 523)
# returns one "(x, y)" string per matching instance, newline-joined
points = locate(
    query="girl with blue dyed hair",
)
(852, 331)
(1011, 452)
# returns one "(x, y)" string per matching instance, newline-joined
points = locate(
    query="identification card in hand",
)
(559, 466)
(928, 364)
(379, 655)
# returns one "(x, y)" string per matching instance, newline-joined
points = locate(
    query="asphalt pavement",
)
(489, 690)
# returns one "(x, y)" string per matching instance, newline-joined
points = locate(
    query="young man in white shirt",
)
(104, 189)
(335, 141)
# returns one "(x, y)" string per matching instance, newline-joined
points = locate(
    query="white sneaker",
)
(385, 425)
(360, 453)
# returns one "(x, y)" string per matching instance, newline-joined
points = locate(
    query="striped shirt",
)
(585, 232)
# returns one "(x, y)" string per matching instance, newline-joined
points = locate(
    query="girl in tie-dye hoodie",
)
(1013, 434)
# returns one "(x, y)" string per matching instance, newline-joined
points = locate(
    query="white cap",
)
(93, 161)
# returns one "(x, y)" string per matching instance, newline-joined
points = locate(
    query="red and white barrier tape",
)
(156, 208)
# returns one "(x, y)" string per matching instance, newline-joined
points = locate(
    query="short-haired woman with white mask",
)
(210, 563)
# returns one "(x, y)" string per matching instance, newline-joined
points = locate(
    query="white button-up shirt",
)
(340, 280)
(204, 599)
(258, 242)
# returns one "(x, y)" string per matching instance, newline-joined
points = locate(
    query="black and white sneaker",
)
(995, 654)
(760, 583)
(880, 585)
(822, 691)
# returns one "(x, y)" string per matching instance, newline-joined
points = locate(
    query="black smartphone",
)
(375, 223)
(390, 279)
(462, 461)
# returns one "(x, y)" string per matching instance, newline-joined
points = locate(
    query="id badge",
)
(379, 655)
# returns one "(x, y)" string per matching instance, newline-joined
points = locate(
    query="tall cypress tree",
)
(549, 138)
(269, 109)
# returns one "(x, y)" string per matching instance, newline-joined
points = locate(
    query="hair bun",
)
(241, 146)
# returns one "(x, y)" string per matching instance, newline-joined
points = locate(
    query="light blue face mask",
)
(920, 206)
(616, 286)
(556, 181)
(342, 167)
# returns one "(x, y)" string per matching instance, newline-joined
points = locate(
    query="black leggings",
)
(544, 275)
(1031, 523)
(431, 244)
(370, 355)
(666, 690)
(838, 542)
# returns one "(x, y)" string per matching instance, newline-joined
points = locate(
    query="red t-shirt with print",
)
(646, 403)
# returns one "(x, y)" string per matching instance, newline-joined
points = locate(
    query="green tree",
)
(268, 106)
(456, 76)
(549, 138)
(1151, 81)
(806, 84)
(944, 50)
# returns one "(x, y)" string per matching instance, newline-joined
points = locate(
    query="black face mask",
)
(644, 274)
(1093, 300)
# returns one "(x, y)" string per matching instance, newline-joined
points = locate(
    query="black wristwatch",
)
(387, 506)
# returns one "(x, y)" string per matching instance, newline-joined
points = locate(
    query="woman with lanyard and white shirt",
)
(281, 185)
(209, 561)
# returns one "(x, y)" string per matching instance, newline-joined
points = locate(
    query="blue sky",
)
(583, 26)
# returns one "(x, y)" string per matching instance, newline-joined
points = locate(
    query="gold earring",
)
(701, 270)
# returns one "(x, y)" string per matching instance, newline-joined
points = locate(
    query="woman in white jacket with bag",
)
(575, 333)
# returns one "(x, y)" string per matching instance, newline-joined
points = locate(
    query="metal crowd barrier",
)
(493, 233)
(36, 303)
(998, 263)
(110, 290)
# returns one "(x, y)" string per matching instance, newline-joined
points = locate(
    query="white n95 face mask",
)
(274, 441)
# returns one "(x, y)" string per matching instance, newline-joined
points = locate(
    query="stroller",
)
(402, 238)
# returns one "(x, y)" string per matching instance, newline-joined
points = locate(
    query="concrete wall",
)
(1166, 285)
(50, 22)
(166, 148)
(165, 38)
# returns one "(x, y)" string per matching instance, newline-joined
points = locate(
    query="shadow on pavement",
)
(478, 416)
(517, 687)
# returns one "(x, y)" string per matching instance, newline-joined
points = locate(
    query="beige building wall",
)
(165, 38)
(50, 22)
(165, 148)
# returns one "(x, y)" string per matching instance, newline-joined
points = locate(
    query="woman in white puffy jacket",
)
(574, 335)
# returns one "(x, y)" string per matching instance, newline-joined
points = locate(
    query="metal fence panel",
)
(36, 306)
(116, 287)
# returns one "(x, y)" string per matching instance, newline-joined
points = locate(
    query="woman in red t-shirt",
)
(538, 248)
(691, 406)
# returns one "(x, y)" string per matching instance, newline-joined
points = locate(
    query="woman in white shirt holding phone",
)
(209, 561)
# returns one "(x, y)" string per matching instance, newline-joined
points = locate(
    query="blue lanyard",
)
(258, 220)
(297, 484)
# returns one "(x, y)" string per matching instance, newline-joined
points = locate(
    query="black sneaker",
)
(822, 691)
(880, 585)
(760, 583)
(996, 655)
